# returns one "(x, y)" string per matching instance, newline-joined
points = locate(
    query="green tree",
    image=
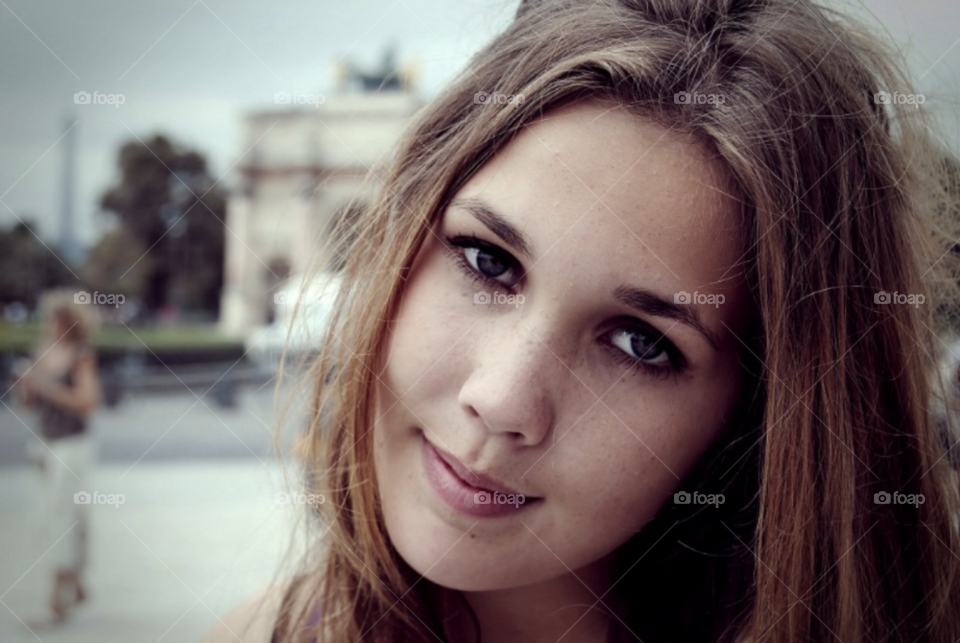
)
(168, 208)
(28, 267)
(118, 257)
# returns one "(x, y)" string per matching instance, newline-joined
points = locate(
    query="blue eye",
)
(485, 262)
(641, 346)
(644, 350)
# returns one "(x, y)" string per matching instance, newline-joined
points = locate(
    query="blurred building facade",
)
(305, 163)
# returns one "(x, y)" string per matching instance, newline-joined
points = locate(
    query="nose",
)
(514, 384)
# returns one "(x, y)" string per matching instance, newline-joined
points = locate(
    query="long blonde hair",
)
(838, 207)
(78, 319)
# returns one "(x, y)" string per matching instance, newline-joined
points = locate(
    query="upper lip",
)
(472, 478)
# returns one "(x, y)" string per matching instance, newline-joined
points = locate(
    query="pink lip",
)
(445, 480)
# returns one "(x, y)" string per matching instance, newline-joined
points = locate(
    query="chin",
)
(470, 563)
(472, 573)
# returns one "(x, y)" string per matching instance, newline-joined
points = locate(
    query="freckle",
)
(473, 535)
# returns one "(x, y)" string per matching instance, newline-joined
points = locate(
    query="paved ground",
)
(187, 532)
(199, 529)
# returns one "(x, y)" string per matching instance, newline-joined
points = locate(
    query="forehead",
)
(595, 181)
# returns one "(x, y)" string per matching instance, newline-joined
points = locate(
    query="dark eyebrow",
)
(651, 304)
(496, 223)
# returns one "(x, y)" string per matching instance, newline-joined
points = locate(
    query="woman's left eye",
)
(641, 346)
(485, 261)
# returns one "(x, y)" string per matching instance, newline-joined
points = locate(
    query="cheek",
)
(431, 324)
(621, 462)
(419, 368)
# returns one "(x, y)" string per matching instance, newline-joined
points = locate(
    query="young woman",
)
(635, 345)
(62, 385)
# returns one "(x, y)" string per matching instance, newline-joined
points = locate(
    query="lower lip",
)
(460, 496)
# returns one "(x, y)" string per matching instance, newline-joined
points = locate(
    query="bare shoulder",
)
(251, 621)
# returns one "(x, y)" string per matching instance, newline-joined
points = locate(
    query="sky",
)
(191, 69)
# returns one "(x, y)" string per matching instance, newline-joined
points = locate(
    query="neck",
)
(565, 606)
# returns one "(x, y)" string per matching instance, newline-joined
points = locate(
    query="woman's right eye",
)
(484, 261)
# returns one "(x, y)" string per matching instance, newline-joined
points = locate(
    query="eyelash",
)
(457, 243)
(639, 366)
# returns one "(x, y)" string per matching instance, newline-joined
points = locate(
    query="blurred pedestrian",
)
(61, 384)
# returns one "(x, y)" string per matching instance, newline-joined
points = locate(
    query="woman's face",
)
(576, 380)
